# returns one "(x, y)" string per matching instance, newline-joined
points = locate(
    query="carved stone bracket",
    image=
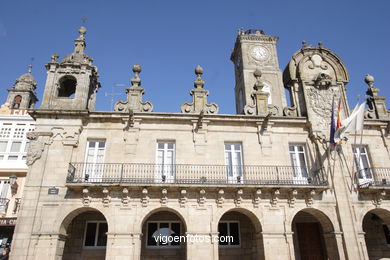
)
(378, 197)
(125, 196)
(164, 197)
(145, 197)
(106, 197)
(202, 197)
(199, 97)
(183, 198)
(221, 198)
(256, 198)
(274, 197)
(310, 198)
(292, 198)
(238, 199)
(134, 96)
(86, 200)
(290, 111)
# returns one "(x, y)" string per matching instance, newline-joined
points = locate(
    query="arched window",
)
(17, 102)
(67, 87)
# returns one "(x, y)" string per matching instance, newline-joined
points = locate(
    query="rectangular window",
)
(15, 147)
(361, 162)
(94, 158)
(165, 167)
(163, 234)
(4, 187)
(3, 146)
(298, 162)
(233, 160)
(229, 233)
(95, 234)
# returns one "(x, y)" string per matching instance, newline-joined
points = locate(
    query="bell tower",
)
(256, 51)
(22, 95)
(71, 84)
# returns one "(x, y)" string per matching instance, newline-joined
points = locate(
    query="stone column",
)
(290, 242)
(276, 246)
(50, 245)
(362, 244)
(121, 246)
(202, 246)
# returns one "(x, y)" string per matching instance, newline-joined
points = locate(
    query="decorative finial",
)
(259, 84)
(136, 81)
(320, 44)
(198, 83)
(369, 79)
(304, 44)
(54, 57)
(82, 31)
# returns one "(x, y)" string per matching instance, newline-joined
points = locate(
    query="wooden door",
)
(309, 241)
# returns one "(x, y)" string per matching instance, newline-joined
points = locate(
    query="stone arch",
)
(67, 86)
(168, 223)
(244, 225)
(145, 217)
(376, 227)
(82, 234)
(314, 235)
(323, 217)
(252, 216)
(69, 215)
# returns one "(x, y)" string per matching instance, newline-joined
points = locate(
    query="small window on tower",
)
(17, 101)
(67, 87)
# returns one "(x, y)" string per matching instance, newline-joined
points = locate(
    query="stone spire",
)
(78, 55)
(259, 97)
(134, 96)
(377, 104)
(199, 97)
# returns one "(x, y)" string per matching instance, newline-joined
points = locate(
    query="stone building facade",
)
(103, 185)
(15, 124)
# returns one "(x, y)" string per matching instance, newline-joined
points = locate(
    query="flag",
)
(332, 126)
(352, 123)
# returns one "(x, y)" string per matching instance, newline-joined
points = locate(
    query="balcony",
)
(83, 174)
(374, 177)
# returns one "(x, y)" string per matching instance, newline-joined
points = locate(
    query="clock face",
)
(259, 53)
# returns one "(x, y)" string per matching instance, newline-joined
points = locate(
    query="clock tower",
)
(256, 51)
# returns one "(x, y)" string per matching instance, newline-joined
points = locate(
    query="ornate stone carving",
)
(259, 97)
(145, 197)
(292, 198)
(290, 111)
(183, 198)
(238, 200)
(36, 146)
(199, 97)
(256, 198)
(106, 197)
(274, 197)
(164, 198)
(134, 96)
(310, 198)
(377, 104)
(320, 101)
(202, 197)
(221, 198)
(86, 200)
(125, 196)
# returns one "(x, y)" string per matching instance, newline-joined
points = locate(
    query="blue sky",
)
(169, 38)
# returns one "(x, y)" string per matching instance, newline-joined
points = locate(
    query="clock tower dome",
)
(256, 51)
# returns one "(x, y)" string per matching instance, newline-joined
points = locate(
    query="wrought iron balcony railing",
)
(141, 173)
(373, 176)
